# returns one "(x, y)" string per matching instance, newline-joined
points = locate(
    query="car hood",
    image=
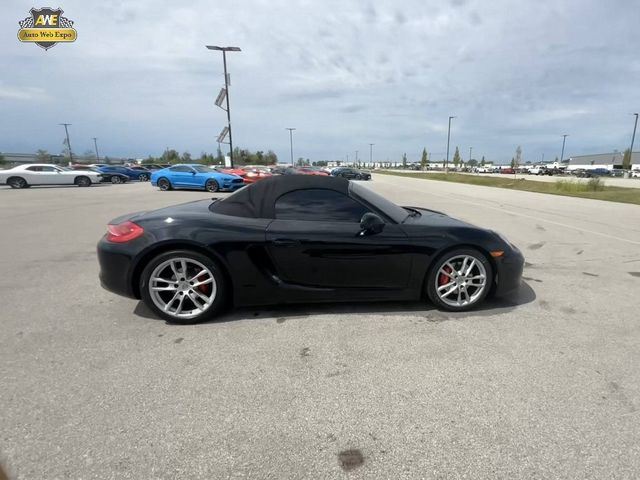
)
(433, 218)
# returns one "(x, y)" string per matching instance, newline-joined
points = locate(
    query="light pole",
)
(291, 142)
(95, 144)
(633, 137)
(564, 139)
(371, 154)
(356, 164)
(470, 149)
(66, 131)
(446, 165)
(224, 51)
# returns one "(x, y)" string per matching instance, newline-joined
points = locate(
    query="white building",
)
(603, 160)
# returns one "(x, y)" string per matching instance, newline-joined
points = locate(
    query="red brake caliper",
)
(206, 288)
(444, 279)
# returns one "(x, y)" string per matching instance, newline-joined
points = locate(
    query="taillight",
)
(123, 232)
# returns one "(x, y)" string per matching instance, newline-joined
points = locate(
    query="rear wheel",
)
(143, 177)
(164, 184)
(459, 280)
(83, 181)
(211, 186)
(17, 182)
(116, 179)
(184, 287)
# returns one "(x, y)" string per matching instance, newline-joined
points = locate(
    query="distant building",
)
(603, 160)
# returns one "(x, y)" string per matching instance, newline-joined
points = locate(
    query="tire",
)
(164, 184)
(116, 179)
(83, 181)
(449, 290)
(212, 186)
(143, 177)
(174, 298)
(358, 177)
(17, 182)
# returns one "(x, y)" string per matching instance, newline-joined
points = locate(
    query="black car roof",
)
(258, 199)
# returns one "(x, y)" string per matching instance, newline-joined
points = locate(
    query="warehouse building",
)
(609, 161)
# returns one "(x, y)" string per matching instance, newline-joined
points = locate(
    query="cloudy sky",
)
(344, 73)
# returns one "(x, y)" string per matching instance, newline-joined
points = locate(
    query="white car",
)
(635, 173)
(24, 176)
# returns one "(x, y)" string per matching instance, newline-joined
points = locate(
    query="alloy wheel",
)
(182, 287)
(461, 280)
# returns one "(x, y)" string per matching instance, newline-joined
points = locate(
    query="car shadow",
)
(493, 306)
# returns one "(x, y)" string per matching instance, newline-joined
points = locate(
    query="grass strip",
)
(595, 188)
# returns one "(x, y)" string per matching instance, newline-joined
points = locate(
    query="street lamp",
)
(95, 143)
(470, 149)
(371, 154)
(291, 142)
(357, 165)
(446, 165)
(633, 137)
(66, 131)
(564, 139)
(224, 51)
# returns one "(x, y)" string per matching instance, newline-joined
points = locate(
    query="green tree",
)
(404, 160)
(2, 159)
(424, 161)
(626, 159)
(43, 156)
(472, 163)
(186, 158)
(456, 158)
(518, 157)
(513, 162)
(482, 162)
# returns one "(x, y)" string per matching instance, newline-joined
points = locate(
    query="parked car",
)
(350, 173)
(139, 173)
(593, 172)
(312, 171)
(635, 173)
(254, 174)
(195, 176)
(24, 176)
(507, 170)
(106, 176)
(301, 239)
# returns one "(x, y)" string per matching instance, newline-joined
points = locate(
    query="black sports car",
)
(301, 238)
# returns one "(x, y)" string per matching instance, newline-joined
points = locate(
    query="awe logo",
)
(46, 27)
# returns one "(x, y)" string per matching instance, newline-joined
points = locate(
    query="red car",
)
(312, 171)
(507, 171)
(249, 174)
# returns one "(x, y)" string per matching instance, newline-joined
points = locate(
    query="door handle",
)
(285, 242)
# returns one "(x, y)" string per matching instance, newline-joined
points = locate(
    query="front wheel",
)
(211, 186)
(459, 280)
(358, 177)
(143, 177)
(116, 179)
(183, 287)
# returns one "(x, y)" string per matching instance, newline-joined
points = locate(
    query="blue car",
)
(139, 173)
(195, 176)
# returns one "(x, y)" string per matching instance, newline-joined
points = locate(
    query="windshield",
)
(390, 209)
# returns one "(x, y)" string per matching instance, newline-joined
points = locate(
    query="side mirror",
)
(371, 224)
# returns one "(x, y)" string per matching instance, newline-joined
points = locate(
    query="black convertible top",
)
(258, 200)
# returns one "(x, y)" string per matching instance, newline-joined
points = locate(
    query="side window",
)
(180, 168)
(318, 205)
(34, 169)
(49, 169)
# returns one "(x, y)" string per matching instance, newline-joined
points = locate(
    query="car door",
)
(182, 176)
(316, 241)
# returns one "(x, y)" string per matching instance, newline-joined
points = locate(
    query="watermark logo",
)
(46, 27)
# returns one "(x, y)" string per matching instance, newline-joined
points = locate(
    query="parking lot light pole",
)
(633, 137)
(371, 154)
(446, 165)
(66, 131)
(224, 51)
(470, 150)
(564, 139)
(95, 144)
(291, 142)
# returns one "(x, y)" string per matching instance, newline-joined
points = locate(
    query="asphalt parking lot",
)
(541, 385)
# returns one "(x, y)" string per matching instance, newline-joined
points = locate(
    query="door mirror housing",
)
(370, 224)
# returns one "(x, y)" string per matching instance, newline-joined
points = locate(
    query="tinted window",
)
(49, 169)
(34, 169)
(318, 205)
(180, 168)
